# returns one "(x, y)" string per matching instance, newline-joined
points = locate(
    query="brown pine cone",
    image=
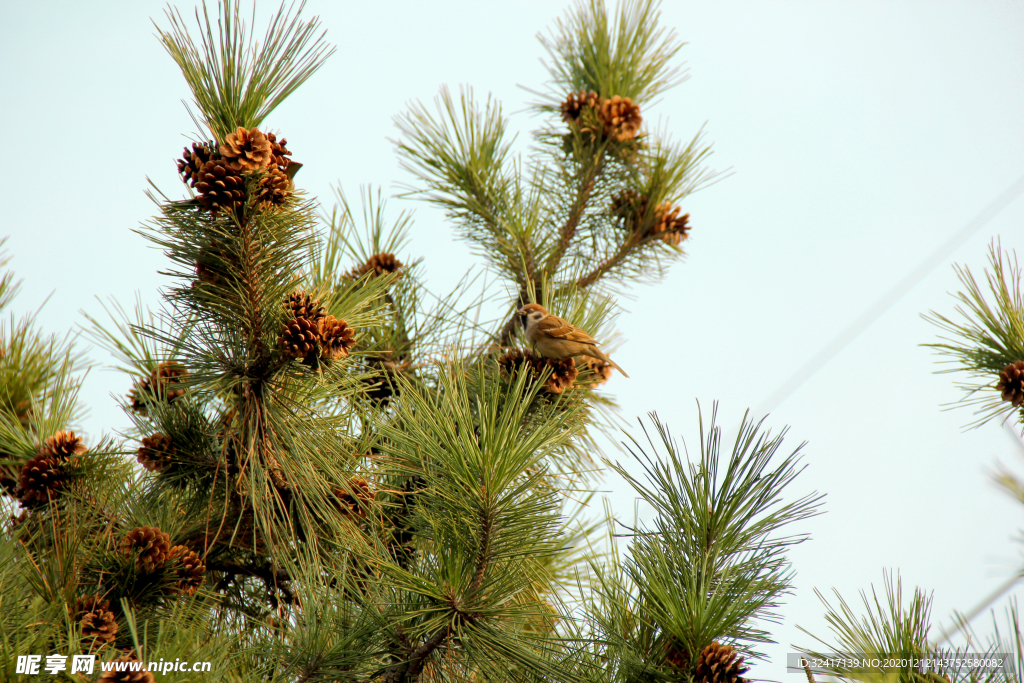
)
(621, 118)
(126, 676)
(190, 568)
(98, 623)
(383, 388)
(299, 338)
(512, 360)
(273, 189)
(630, 205)
(301, 305)
(247, 150)
(600, 372)
(149, 545)
(676, 654)
(669, 225)
(563, 374)
(157, 452)
(279, 152)
(63, 445)
(169, 376)
(336, 338)
(40, 479)
(1011, 383)
(221, 188)
(720, 664)
(141, 395)
(165, 383)
(573, 106)
(356, 499)
(378, 264)
(192, 162)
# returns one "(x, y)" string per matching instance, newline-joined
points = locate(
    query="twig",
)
(568, 230)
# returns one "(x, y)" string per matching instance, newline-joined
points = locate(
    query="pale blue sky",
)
(860, 136)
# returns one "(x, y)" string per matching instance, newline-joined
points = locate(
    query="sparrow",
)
(553, 337)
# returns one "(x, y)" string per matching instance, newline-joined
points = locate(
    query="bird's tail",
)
(601, 356)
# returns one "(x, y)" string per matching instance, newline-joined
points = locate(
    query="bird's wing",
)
(559, 329)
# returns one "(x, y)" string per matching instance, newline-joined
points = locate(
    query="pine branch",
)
(626, 248)
(483, 558)
(409, 670)
(235, 80)
(567, 232)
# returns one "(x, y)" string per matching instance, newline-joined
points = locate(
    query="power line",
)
(846, 337)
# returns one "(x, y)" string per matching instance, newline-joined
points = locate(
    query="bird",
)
(555, 338)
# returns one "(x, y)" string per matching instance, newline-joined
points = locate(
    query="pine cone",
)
(63, 445)
(98, 623)
(621, 118)
(720, 664)
(629, 204)
(149, 545)
(600, 372)
(163, 384)
(356, 499)
(221, 188)
(157, 452)
(247, 150)
(676, 654)
(336, 338)
(126, 676)
(378, 264)
(192, 162)
(514, 359)
(669, 225)
(299, 337)
(563, 374)
(383, 388)
(573, 106)
(40, 479)
(273, 189)
(1011, 383)
(301, 305)
(279, 152)
(190, 568)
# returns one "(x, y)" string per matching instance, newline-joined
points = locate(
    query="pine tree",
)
(334, 474)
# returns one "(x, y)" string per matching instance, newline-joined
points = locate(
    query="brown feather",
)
(560, 329)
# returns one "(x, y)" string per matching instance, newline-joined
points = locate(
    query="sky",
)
(855, 139)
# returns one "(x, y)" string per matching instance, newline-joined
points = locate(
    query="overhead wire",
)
(864, 320)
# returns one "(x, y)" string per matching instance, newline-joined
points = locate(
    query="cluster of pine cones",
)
(151, 550)
(631, 207)
(564, 373)
(716, 663)
(615, 118)
(96, 621)
(311, 336)
(46, 475)
(220, 173)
